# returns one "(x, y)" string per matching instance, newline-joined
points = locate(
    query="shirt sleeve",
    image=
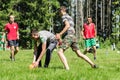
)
(64, 18)
(43, 39)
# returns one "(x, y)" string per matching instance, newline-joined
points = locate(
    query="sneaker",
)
(10, 57)
(94, 58)
(13, 59)
(95, 66)
(45, 66)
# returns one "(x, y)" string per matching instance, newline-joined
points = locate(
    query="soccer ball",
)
(32, 66)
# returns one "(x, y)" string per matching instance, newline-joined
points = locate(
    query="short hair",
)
(89, 17)
(8, 17)
(34, 31)
(11, 14)
(63, 8)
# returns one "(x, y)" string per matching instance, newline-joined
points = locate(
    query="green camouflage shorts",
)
(69, 41)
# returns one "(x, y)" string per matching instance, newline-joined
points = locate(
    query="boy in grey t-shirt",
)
(47, 43)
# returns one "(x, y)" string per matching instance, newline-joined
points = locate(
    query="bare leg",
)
(94, 48)
(86, 50)
(16, 50)
(84, 57)
(12, 52)
(63, 59)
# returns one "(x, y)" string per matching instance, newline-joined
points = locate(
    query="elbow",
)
(68, 26)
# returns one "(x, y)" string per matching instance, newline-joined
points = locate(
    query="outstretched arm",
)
(95, 31)
(17, 34)
(41, 54)
(67, 25)
(82, 33)
(35, 52)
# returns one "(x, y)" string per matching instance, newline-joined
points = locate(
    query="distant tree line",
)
(43, 14)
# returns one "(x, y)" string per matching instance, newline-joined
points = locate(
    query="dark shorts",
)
(69, 41)
(13, 43)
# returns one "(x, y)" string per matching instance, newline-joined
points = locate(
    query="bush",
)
(118, 45)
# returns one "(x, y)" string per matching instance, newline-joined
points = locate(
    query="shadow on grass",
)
(58, 67)
(5, 59)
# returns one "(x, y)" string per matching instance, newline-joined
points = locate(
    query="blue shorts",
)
(13, 43)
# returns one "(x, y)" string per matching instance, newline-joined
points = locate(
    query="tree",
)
(29, 14)
(116, 23)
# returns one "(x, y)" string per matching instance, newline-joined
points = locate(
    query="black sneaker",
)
(10, 57)
(45, 66)
(40, 64)
(95, 66)
(94, 58)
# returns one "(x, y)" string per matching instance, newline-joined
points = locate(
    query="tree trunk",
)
(101, 16)
(96, 14)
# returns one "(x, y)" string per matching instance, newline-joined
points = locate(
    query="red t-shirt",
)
(89, 30)
(11, 29)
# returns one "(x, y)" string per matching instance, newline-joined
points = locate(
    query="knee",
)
(12, 48)
(94, 50)
(75, 49)
(60, 51)
(17, 49)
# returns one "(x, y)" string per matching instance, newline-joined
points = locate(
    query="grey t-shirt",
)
(46, 36)
(71, 30)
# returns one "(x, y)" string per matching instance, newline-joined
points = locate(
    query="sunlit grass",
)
(109, 67)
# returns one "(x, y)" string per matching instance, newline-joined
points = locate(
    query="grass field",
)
(109, 67)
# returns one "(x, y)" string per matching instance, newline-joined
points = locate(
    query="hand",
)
(36, 64)
(84, 37)
(18, 37)
(59, 42)
(57, 36)
(2, 40)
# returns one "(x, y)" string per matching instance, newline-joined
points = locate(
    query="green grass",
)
(109, 67)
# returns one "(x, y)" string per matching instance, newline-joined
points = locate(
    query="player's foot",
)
(45, 66)
(39, 65)
(94, 66)
(94, 58)
(12, 58)
(67, 68)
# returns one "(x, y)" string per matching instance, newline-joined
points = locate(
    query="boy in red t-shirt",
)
(12, 36)
(89, 34)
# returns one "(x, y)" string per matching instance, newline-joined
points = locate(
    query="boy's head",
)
(35, 34)
(62, 10)
(11, 18)
(89, 19)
